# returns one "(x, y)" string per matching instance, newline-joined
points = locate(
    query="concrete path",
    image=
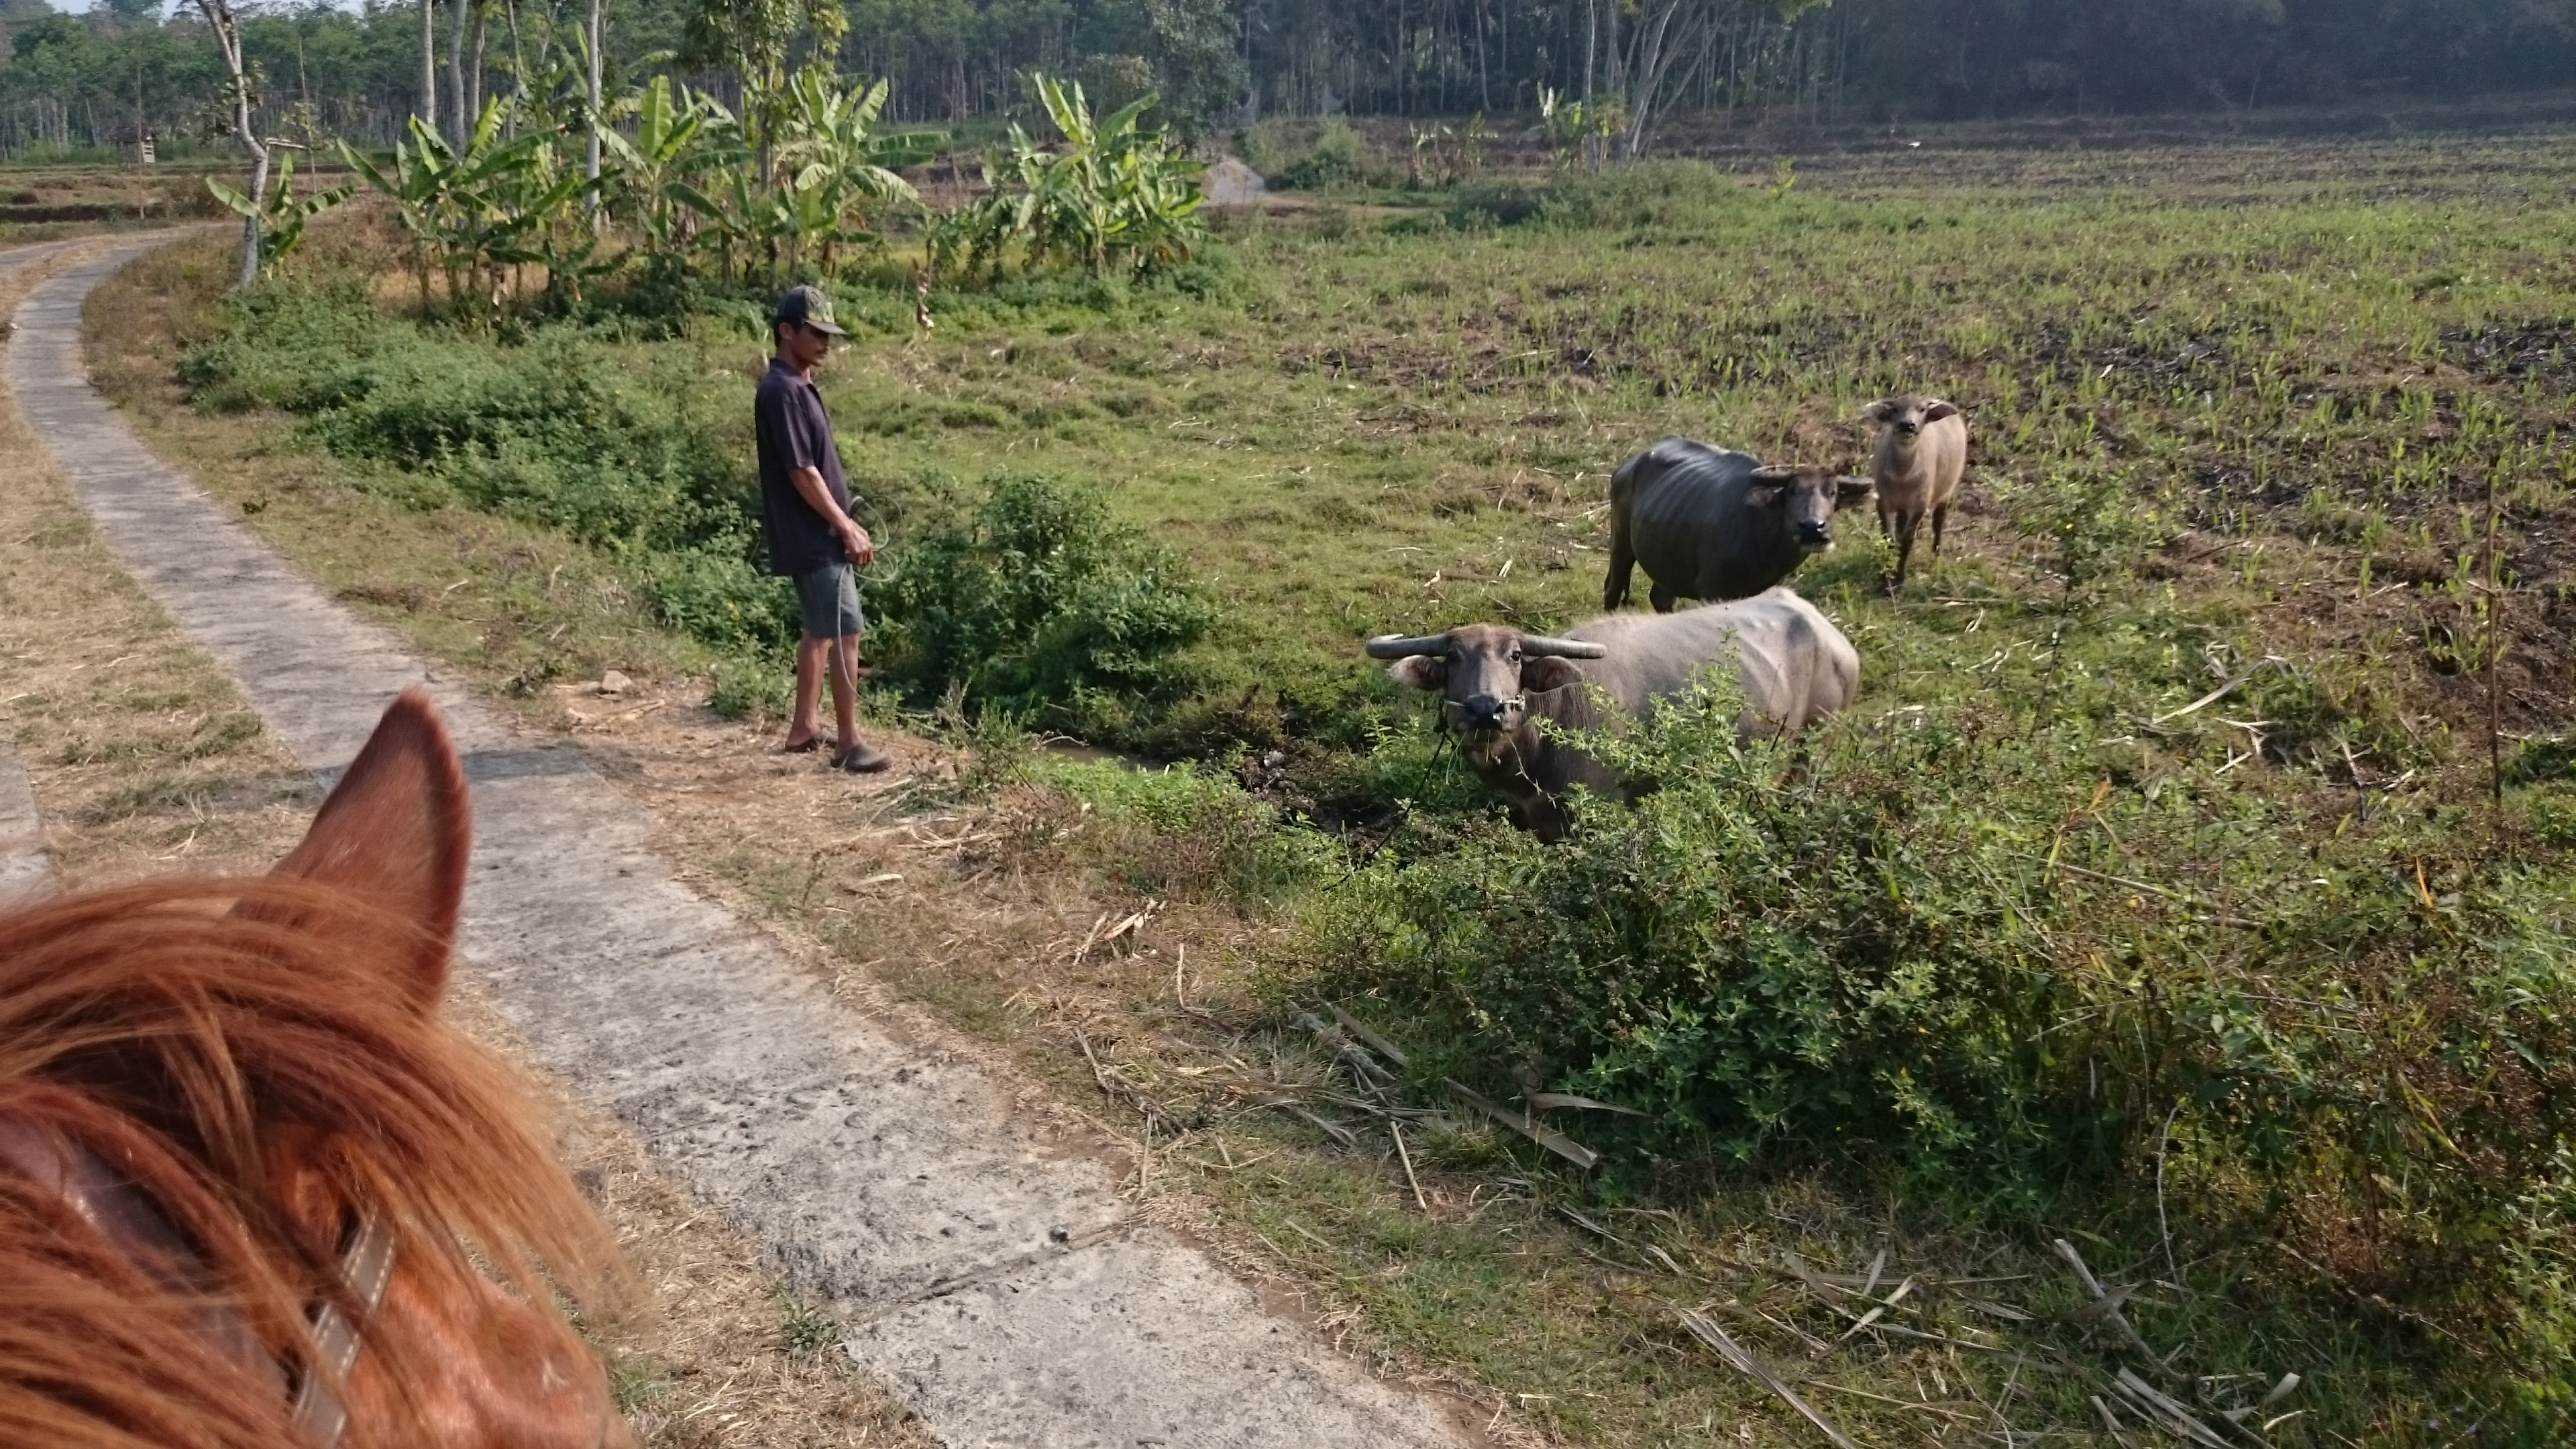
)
(24, 870)
(1001, 1286)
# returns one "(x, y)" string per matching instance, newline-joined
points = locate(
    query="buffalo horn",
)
(1397, 646)
(1540, 645)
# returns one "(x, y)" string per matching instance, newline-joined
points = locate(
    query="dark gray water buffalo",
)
(1496, 683)
(1711, 523)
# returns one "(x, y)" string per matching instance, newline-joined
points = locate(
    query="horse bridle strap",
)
(366, 1266)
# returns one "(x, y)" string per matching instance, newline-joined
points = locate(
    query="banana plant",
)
(810, 223)
(1114, 195)
(836, 164)
(540, 218)
(416, 178)
(469, 212)
(281, 214)
(679, 135)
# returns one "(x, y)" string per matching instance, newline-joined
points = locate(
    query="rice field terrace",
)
(2157, 985)
(37, 202)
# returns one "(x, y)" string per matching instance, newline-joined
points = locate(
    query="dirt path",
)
(988, 1270)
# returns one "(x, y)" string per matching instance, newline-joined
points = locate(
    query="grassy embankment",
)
(2151, 979)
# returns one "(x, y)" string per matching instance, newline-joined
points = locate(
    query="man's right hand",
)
(861, 548)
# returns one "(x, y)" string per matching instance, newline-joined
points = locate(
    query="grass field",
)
(2237, 416)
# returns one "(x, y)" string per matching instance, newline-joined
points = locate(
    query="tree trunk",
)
(227, 28)
(518, 62)
(427, 110)
(459, 122)
(474, 69)
(1484, 82)
(1650, 67)
(592, 168)
(1591, 43)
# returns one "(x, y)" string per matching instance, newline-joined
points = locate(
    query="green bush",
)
(633, 461)
(718, 595)
(1039, 603)
(1036, 602)
(554, 431)
(1918, 939)
(744, 688)
(1188, 830)
(1649, 193)
(1337, 154)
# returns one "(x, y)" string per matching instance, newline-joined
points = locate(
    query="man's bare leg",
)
(853, 754)
(845, 690)
(810, 655)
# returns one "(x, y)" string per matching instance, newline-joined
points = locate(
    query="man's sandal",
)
(861, 759)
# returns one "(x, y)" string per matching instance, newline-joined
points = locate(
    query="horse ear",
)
(395, 833)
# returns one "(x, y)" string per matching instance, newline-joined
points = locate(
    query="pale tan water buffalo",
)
(1496, 683)
(1922, 450)
(1711, 523)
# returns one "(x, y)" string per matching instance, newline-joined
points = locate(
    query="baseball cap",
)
(809, 306)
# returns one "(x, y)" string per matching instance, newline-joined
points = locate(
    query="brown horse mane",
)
(242, 1052)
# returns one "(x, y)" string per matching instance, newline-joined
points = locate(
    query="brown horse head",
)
(253, 1191)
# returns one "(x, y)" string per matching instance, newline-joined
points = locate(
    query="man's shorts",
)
(827, 600)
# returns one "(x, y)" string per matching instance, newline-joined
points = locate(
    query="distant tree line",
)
(95, 81)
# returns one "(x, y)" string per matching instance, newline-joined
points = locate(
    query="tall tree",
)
(459, 121)
(598, 116)
(755, 39)
(226, 24)
(427, 108)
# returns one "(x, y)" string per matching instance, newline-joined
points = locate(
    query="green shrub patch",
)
(1920, 944)
(1033, 600)
(1029, 598)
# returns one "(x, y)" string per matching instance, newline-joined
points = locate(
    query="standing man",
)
(805, 515)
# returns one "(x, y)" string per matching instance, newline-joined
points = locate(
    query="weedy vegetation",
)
(2157, 986)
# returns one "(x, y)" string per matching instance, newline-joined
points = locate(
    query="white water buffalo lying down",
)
(1496, 683)
(1711, 523)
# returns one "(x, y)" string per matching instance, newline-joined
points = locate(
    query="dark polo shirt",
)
(787, 414)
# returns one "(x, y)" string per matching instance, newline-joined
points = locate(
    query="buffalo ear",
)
(1936, 411)
(1850, 491)
(1883, 411)
(395, 834)
(1769, 486)
(1547, 672)
(1420, 671)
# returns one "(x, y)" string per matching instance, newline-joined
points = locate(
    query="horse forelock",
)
(251, 1074)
